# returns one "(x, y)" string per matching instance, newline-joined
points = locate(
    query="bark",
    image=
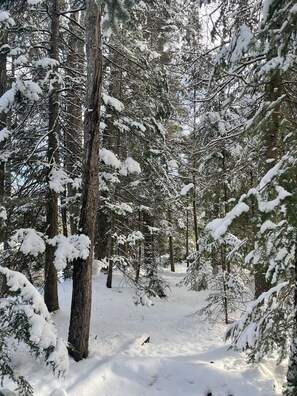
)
(171, 254)
(3, 116)
(3, 86)
(271, 153)
(291, 389)
(51, 284)
(195, 221)
(187, 239)
(110, 261)
(82, 269)
(74, 131)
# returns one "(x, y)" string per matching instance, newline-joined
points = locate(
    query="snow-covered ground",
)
(186, 355)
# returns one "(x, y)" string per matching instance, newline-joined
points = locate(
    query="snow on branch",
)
(242, 43)
(247, 332)
(109, 158)
(69, 248)
(29, 89)
(7, 99)
(218, 227)
(47, 63)
(186, 189)
(269, 206)
(6, 19)
(113, 102)
(28, 302)
(3, 213)
(58, 179)
(129, 166)
(28, 240)
(4, 133)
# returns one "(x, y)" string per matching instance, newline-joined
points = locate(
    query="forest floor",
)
(186, 354)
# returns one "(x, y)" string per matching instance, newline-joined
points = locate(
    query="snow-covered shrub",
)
(25, 319)
(218, 268)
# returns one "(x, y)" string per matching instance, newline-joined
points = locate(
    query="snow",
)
(185, 356)
(7, 99)
(267, 225)
(242, 43)
(28, 241)
(3, 213)
(120, 208)
(269, 206)
(109, 158)
(273, 172)
(131, 165)
(58, 180)
(113, 102)
(218, 227)
(265, 10)
(6, 19)
(186, 189)
(69, 248)
(41, 327)
(20, 60)
(47, 63)
(4, 133)
(34, 2)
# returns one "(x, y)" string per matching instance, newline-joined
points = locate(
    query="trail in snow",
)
(185, 356)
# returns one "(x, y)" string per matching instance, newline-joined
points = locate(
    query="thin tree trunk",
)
(195, 221)
(187, 239)
(110, 260)
(79, 327)
(171, 255)
(138, 264)
(291, 388)
(51, 284)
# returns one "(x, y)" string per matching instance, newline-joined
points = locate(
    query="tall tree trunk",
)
(271, 147)
(82, 268)
(74, 130)
(3, 87)
(291, 389)
(3, 116)
(51, 284)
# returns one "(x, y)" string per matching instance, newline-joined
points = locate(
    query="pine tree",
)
(82, 268)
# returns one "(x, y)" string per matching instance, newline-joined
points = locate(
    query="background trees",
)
(189, 153)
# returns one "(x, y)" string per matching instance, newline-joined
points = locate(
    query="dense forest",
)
(135, 135)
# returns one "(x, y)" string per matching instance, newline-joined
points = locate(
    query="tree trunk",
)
(3, 117)
(110, 260)
(82, 268)
(291, 389)
(171, 255)
(74, 130)
(271, 153)
(51, 284)
(195, 220)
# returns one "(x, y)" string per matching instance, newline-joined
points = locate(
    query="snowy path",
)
(185, 356)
